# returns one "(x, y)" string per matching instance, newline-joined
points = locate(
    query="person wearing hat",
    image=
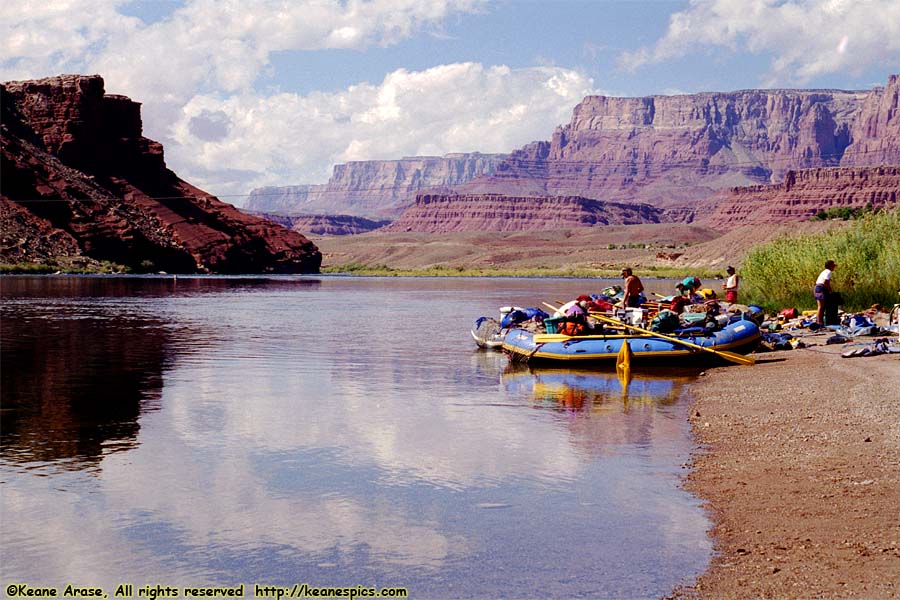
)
(823, 290)
(633, 289)
(731, 285)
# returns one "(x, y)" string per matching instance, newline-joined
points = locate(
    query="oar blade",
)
(623, 359)
(543, 338)
(737, 358)
(548, 305)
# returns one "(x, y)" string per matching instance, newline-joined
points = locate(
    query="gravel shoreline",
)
(800, 469)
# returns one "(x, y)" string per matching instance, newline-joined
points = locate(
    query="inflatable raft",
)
(740, 337)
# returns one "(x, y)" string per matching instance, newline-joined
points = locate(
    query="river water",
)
(336, 431)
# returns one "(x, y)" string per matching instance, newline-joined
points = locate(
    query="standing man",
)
(731, 286)
(633, 289)
(823, 290)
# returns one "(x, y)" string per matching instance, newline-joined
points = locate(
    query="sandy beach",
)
(800, 469)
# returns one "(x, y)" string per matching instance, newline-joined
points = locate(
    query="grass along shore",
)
(499, 271)
(67, 268)
(781, 273)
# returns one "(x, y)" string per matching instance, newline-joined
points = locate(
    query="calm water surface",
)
(328, 430)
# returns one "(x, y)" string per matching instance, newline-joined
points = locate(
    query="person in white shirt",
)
(731, 286)
(823, 290)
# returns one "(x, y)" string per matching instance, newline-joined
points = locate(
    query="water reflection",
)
(595, 389)
(83, 357)
(73, 389)
(333, 431)
(143, 286)
(606, 410)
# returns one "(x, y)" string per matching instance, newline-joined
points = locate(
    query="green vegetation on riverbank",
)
(71, 269)
(782, 273)
(576, 272)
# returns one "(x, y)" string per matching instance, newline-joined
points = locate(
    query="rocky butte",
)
(379, 189)
(874, 139)
(81, 184)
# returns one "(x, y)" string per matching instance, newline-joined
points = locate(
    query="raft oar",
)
(548, 305)
(732, 356)
(543, 338)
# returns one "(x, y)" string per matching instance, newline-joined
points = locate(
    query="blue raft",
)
(740, 337)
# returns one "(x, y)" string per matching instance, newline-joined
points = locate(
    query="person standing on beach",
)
(731, 285)
(633, 289)
(823, 290)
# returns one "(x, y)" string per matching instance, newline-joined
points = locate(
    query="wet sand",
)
(800, 469)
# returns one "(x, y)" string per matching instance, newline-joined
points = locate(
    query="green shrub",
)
(782, 273)
(27, 268)
(844, 213)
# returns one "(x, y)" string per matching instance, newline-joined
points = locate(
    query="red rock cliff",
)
(76, 167)
(675, 151)
(876, 132)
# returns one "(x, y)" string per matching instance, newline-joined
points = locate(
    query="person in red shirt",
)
(633, 289)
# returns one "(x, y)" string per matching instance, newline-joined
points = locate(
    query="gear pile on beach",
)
(790, 329)
(698, 312)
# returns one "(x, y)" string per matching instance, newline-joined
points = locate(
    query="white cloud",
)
(806, 38)
(289, 138)
(204, 45)
(195, 71)
(46, 38)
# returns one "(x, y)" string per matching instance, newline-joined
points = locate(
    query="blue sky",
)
(269, 92)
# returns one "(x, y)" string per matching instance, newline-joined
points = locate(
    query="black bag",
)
(831, 308)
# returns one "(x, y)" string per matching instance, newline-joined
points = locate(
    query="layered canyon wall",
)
(673, 151)
(875, 133)
(678, 153)
(324, 224)
(375, 188)
(805, 193)
(79, 180)
(444, 213)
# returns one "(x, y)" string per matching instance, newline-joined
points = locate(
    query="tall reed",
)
(867, 252)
